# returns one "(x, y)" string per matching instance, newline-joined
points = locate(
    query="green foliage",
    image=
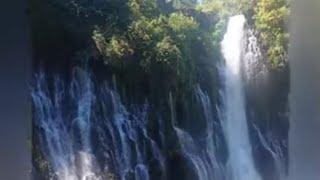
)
(146, 8)
(223, 9)
(168, 52)
(138, 41)
(167, 45)
(211, 6)
(180, 23)
(271, 21)
(115, 48)
(118, 47)
(180, 4)
(145, 33)
(226, 7)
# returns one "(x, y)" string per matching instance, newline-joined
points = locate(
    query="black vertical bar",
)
(304, 58)
(15, 106)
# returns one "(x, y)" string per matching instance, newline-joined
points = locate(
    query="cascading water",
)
(67, 118)
(240, 163)
(128, 132)
(275, 148)
(204, 159)
(58, 140)
(254, 69)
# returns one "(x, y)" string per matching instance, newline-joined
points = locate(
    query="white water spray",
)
(240, 163)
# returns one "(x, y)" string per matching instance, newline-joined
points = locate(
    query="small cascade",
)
(254, 69)
(240, 164)
(192, 152)
(203, 159)
(211, 137)
(275, 148)
(131, 140)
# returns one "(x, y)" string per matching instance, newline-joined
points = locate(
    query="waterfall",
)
(240, 163)
(58, 140)
(86, 133)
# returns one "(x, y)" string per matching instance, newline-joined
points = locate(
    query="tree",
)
(271, 18)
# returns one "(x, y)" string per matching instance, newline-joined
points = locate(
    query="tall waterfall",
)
(240, 164)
